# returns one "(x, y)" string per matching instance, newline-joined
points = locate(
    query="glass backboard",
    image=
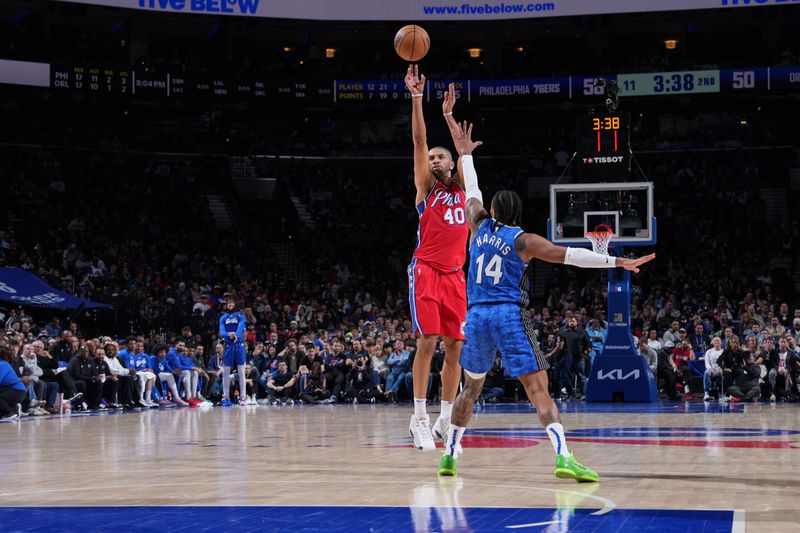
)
(627, 208)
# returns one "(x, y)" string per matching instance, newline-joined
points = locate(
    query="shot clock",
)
(604, 145)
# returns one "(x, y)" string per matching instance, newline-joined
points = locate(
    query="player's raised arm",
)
(423, 179)
(462, 138)
(448, 103)
(532, 246)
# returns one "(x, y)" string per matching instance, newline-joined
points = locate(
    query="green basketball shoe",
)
(569, 467)
(448, 466)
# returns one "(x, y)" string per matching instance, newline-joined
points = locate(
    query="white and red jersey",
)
(443, 229)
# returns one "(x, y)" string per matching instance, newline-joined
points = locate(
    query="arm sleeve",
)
(471, 178)
(222, 332)
(587, 259)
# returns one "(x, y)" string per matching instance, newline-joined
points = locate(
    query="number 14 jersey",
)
(496, 271)
(443, 229)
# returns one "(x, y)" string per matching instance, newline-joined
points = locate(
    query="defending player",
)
(437, 287)
(498, 318)
(231, 331)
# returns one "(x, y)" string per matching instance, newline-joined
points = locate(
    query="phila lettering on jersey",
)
(443, 229)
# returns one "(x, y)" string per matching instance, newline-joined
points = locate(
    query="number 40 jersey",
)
(496, 271)
(443, 228)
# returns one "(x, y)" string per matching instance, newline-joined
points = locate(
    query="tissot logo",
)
(617, 375)
(603, 160)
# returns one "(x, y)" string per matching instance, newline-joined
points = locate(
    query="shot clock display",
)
(603, 134)
(604, 142)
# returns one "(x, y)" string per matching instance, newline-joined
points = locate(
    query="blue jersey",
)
(496, 271)
(141, 361)
(185, 362)
(128, 359)
(597, 337)
(160, 365)
(232, 322)
(9, 378)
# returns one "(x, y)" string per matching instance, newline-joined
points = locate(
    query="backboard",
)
(627, 208)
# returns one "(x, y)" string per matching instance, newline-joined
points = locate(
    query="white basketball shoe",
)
(440, 429)
(420, 429)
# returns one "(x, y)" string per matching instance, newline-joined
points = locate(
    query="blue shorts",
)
(234, 354)
(504, 327)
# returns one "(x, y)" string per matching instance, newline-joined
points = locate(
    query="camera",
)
(611, 92)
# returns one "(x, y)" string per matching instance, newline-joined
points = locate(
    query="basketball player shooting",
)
(437, 287)
(498, 319)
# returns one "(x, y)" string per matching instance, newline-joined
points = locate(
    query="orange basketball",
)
(412, 42)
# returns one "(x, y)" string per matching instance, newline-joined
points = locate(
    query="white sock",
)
(453, 439)
(447, 409)
(556, 434)
(420, 407)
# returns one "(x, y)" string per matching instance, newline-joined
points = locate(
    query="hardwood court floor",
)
(664, 467)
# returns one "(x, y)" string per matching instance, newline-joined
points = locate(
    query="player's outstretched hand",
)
(414, 82)
(449, 99)
(462, 135)
(634, 264)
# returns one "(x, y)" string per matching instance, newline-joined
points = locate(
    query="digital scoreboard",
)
(603, 144)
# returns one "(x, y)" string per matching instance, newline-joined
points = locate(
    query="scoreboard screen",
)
(92, 79)
(150, 82)
(156, 83)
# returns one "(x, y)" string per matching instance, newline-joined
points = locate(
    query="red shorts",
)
(438, 300)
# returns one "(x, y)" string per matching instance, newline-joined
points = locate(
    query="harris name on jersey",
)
(498, 242)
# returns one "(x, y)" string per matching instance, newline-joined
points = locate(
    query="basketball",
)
(412, 42)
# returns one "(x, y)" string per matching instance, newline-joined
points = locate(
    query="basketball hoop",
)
(600, 238)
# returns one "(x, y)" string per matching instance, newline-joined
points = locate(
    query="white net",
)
(600, 238)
